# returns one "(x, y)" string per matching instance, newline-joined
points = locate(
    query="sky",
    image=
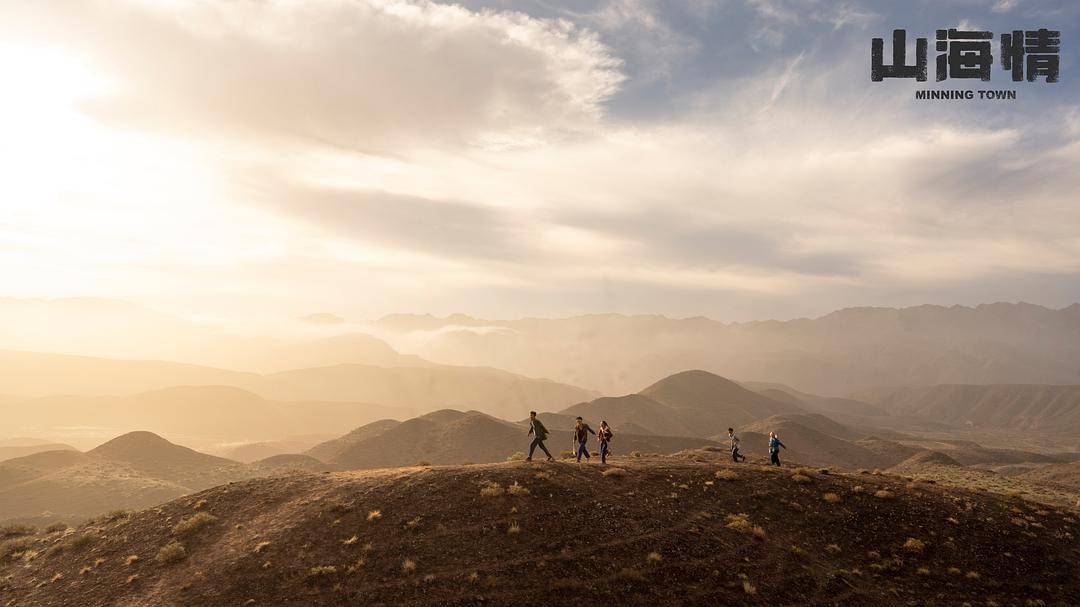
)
(725, 158)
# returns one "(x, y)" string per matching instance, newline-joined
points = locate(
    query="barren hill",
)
(1030, 407)
(806, 445)
(662, 532)
(1067, 474)
(711, 403)
(455, 437)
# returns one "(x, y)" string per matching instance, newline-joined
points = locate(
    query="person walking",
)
(581, 436)
(539, 434)
(735, 455)
(774, 449)
(604, 436)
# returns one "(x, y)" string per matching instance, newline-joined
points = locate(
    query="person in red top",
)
(581, 436)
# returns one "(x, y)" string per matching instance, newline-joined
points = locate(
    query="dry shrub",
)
(516, 456)
(16, 529)
(884, 494)
(261, 546)
(170, 553)
(923, 571)
(516, 489)
(199, 505)
(805, 471)
(800, 478)
(345, 542)
(954, 571)
(322, 570)
(653, 557)
(374, 515)
(615, 473)
(193, 524)
(635, 454)
(56, 528)
(795, 550)
(832, 498)
(474, 577)
(759, 532)
(513, 529)
(85, 569)
(739, 522)
(726, 474)
(858, 489)
(832, 549)
(491, 489)
(972, 575)
(357, 566)
(131, 559)
(408, 566)
(748, 588)
(953, 520)
(81, 541)
(914, 546)
(414, 523)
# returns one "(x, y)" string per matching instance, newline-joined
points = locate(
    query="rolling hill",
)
(1051, 409)
(456, 437)
(689, 403)
(663, 532)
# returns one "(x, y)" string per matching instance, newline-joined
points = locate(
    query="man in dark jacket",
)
(581, 436)
(774, 449)
(539, 434)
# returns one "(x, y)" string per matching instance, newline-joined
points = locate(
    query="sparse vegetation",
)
(831, 498)
(516, 489)
(491, 489)
(513, 529)
(322, 570)
(800, 478)
(858, 489)
(833, 549)
(261, 546)
(356, 566)
(374, 515)
(914, 546)
(615, 473)
(131, 559)
(345, 542)
(749, 588)
(884, 494)
(653, 557)
(172, 552)
(516, 456)
(15, 529)
(193, 524)
(56, 528)
(408, 566)
(82, 541)
(726, 474)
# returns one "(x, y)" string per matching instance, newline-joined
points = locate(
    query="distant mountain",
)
(406, 390)
(456, 437)
(690, 403)
(1065, 474)
(10, 452)
(808, 445)
(837, 354)
(200, 414)
(1039, 408)
(254, 451)
(153, 456)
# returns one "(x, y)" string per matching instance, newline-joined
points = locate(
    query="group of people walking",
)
(604, 435)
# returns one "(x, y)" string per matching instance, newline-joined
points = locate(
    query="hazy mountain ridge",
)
(836, 354)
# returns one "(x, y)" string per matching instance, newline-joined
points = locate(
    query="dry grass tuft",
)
(923, 571)
(322, 570)
(261, 546)
(759, 532)
(739, 522)
(57, 528)
(408, 566)
(193, 524)
(85, 569)
(16, 529)
(170, 553)
(858, 489)
(516, 489)
(832, 498)
(800, 478)
(914, 546)
(749, 588)
(954, 571)
(833, 549)
(615, 473)
(131, 579)
(491, 489)
(346, 542)
(516, 456)
(357, 566)
(474, 577)
(727, 475)
(199, 505)
(374, 515)
(131, 560)
(635, 454)
(513, 529)
(653, 557)
(797, 551)
(972, 575)
(414, 523)
(884, 494)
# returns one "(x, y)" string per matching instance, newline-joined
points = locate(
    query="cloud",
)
(368, 75)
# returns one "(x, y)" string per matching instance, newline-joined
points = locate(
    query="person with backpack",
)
(604, 436)
(581, 436)
(774, 449)
(735, 455)
(540, 434)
